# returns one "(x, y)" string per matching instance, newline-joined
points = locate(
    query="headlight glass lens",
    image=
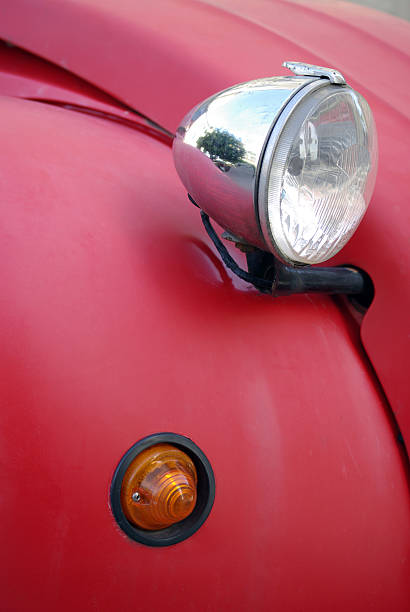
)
(322, 175)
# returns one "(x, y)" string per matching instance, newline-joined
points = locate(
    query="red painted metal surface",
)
(164, 57)
(26, 76)
(191, 49)
(118, 320)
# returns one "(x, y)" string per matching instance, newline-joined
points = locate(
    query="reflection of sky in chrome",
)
(244, 111)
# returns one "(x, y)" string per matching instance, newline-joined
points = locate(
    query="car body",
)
(118, 320)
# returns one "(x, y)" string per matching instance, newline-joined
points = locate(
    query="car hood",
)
(162, 58)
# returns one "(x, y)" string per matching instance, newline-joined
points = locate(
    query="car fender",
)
(118, 321)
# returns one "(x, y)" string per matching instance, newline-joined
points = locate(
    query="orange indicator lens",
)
(159, 487)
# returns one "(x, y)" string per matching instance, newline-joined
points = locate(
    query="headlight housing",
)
(287, 164)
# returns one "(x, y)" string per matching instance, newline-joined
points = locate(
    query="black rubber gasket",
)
(205, 493)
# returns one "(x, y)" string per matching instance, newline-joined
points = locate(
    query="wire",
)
(260, 283)
(288, 281)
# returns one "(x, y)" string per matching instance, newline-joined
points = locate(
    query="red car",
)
(189, 422)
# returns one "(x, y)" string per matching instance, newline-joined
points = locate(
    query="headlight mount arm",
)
(269, 275)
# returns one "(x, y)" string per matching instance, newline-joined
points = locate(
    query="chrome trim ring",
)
(279, 132)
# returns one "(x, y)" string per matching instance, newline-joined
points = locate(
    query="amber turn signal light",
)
(162, 490)
(159, 487)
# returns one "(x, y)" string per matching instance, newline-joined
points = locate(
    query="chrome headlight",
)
(287, 164)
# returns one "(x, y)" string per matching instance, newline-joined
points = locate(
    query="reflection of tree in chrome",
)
(221, 146)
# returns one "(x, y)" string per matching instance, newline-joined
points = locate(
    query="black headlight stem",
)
(269, 275)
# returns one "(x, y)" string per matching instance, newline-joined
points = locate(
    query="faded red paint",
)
(163, 58)
(118, 320)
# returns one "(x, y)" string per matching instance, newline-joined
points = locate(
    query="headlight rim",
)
(266, 161)
(309, 98)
